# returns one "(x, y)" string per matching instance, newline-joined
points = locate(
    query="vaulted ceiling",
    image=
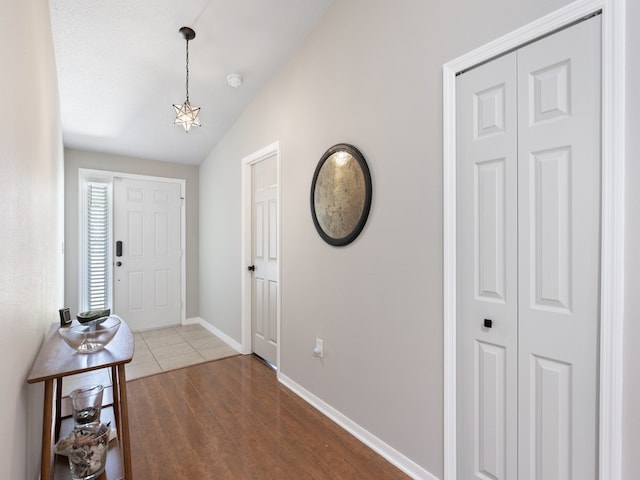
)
(121, 66)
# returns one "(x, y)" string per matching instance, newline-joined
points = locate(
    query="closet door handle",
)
(251, 268)
(488, 323)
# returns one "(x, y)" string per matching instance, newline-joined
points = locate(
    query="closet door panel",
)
(487, 276)
(558, 244)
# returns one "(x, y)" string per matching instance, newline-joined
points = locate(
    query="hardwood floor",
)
(231, 419)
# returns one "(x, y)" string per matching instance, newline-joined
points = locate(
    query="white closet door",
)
(487, 271)
(528, 180)
(559, 232)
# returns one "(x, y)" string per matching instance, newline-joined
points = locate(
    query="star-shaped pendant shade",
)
(186, 115)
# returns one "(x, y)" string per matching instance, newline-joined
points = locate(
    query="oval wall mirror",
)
(341, 194)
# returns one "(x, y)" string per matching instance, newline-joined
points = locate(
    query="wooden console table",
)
(57, 360)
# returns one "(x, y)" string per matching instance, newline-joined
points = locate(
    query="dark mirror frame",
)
(364, 168)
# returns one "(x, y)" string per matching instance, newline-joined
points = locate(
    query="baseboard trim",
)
(409, 467)
(218, 333)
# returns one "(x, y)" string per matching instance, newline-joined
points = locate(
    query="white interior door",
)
(528, 260)
(264, 294)
(147, 274)
(487, 271)
(559, 253)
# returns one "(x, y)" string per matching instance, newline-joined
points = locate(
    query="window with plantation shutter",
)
(97, 253)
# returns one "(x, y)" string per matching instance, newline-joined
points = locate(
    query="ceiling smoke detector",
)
(234, 80)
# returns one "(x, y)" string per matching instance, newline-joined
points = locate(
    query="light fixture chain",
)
(187, 81)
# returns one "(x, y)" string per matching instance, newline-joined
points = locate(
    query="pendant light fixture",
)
(186, 115)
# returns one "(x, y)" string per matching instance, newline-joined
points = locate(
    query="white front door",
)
(528, 260)
(147, 253)
(264, 294)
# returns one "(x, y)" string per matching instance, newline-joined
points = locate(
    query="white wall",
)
(31, 219)
(75, 159)
(631, 412)
(369, 75)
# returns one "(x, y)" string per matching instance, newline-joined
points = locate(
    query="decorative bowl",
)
(91, 336)
(91, 315)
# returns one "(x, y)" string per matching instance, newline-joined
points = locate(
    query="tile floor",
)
(159, 351)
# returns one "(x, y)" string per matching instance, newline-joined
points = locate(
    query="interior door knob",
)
(488, 323)
(251, 268)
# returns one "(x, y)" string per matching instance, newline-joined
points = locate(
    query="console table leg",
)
(116, 396)
(123, 429)
(56, 432)
(46, 458)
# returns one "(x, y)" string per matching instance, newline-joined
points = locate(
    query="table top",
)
(56, 359)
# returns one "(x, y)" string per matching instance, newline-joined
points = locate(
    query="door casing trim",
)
(613, 213)
(246, 235)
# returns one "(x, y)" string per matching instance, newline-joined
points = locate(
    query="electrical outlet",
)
(318, 351)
